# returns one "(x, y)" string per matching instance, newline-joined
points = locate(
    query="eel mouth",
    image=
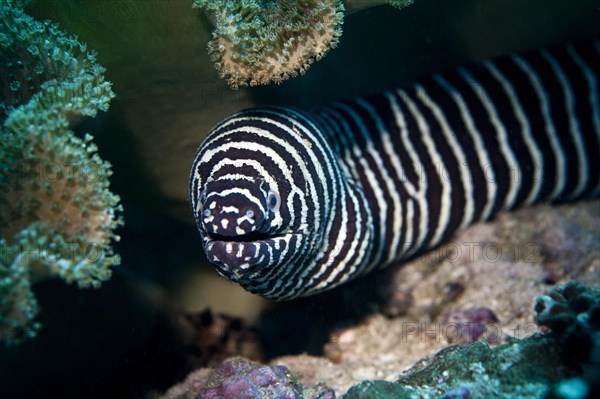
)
(236, 254)
(249, 237)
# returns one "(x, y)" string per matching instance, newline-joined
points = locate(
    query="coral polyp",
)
(259, 42)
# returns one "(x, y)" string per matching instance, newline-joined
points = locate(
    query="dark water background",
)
(104, 343)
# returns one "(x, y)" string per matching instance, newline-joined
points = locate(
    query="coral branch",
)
(57, 215)
(258, 42)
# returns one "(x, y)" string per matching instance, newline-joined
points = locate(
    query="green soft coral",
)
(257, 42)
(57, 214)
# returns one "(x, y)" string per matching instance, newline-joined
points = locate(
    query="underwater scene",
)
(310, 199)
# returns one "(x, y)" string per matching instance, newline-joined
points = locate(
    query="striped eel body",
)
(290, 203)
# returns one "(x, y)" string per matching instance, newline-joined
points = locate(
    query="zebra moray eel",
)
(290, 202)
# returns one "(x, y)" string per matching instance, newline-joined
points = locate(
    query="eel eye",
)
(273, 200)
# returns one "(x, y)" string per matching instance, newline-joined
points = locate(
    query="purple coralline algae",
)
(238, 378)
(469, 325)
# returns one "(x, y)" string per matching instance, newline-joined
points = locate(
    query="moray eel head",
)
(262, 200)
(236, 225)
(241, 212)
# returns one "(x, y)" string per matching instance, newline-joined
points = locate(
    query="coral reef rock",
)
(238, 378)
(528, 368)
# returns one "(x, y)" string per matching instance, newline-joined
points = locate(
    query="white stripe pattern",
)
(291, 203)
